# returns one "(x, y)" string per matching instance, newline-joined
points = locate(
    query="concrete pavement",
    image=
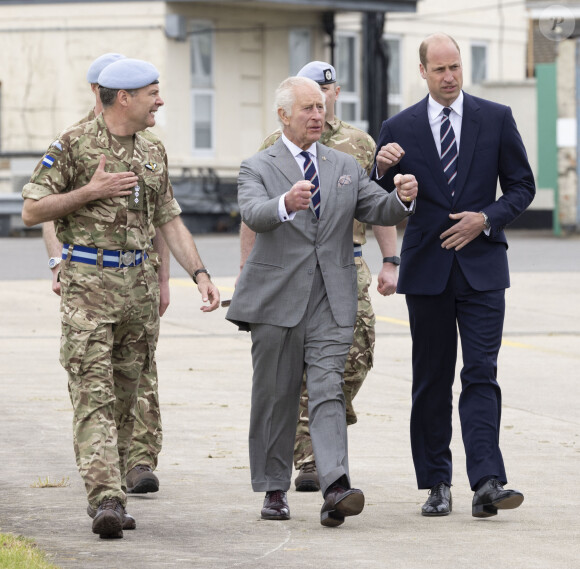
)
(206, 515)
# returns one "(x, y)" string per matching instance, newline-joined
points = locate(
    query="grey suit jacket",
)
(274, 286)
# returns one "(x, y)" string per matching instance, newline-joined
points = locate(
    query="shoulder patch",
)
(57, 144)
(48, 161)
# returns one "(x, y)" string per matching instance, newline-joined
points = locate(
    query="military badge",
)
(328, 75)
(57, 144)
(151, 166)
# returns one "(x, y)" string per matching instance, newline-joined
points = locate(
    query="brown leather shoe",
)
(108, 520)
(128, 520)
(275, 506)
(340, 502)
(307, 480)
(141, 480)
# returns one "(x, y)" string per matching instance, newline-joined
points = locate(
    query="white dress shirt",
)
(435, 113)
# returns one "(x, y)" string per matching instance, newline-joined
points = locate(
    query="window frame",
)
(196, 151)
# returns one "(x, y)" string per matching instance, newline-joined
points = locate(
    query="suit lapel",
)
(470, 124)
(424, 138)
(285, 162)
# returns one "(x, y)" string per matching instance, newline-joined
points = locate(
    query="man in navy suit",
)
(454, 269)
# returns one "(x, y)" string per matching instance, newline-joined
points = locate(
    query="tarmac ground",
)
(206, 515)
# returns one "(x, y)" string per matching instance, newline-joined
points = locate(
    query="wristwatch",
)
(54, 262)
(394, 260)
(486, 223)
(194, 277)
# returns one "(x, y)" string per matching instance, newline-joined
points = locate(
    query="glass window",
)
(394, 80)
(478, 63)
(346, 62)
(299, 49)
(348, 106)
(202, 105)
(201, 49)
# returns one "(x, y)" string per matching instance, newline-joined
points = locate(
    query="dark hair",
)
(108, 95)
(425, 44)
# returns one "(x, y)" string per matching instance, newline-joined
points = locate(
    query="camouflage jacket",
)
(112, 223)
(345, 138)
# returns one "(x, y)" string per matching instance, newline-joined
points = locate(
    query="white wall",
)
(45, 60)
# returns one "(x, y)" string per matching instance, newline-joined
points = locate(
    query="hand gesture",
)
(387, 157)
(406, 186)
(469, 225)
(209, 293)
(110, 185)
(298, 198)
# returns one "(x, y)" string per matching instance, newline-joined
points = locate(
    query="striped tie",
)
(448, 150)
(311, 175)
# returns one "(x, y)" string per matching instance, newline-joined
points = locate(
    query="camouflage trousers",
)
(358, 364)
(110, 326)
(147, 436)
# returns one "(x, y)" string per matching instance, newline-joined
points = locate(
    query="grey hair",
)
(286, 94)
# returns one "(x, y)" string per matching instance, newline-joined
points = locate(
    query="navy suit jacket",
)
(490, 149)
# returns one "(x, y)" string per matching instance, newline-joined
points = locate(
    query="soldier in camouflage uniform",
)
(107, 188)
(147, 435)
(346, 138)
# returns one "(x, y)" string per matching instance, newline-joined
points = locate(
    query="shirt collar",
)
(435, 109)
(296, 150)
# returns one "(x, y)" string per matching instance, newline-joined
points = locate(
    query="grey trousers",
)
(280, 355)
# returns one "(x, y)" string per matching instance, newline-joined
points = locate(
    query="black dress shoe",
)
(439, 502)
(492, 497)
(275, 506)
(340, 502)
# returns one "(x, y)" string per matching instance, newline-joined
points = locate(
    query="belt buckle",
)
(128, 258)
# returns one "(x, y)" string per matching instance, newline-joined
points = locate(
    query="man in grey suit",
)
(297, 295)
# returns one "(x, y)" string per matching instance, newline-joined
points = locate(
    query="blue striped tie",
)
(311, 175)
(448, 150)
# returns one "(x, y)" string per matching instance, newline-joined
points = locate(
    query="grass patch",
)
(21, 553)
(48, 483)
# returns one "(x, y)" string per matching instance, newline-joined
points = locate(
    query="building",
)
(220, 62)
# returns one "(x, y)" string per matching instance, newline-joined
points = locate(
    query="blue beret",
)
(321, 72)
(128, 74)
(99, 64)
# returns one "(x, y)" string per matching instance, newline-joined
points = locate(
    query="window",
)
(348, 106)
(394, 80)
(299, 49)
(202, 87)
(478, 62)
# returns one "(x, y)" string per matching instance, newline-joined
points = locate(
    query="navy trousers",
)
(435, 321)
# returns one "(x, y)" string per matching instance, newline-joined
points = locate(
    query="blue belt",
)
(88, 255)
(357, 250)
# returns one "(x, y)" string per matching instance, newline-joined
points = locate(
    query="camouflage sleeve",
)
(53, 174)
(268, 141)
(368, 155)
(166, 206)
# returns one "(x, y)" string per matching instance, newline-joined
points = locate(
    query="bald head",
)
(441, 67)
(435, 39)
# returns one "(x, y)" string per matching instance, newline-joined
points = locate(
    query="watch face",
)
(53, 262)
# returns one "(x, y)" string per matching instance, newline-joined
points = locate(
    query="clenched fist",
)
(406, 186)
(298, 198)
(388, 156)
